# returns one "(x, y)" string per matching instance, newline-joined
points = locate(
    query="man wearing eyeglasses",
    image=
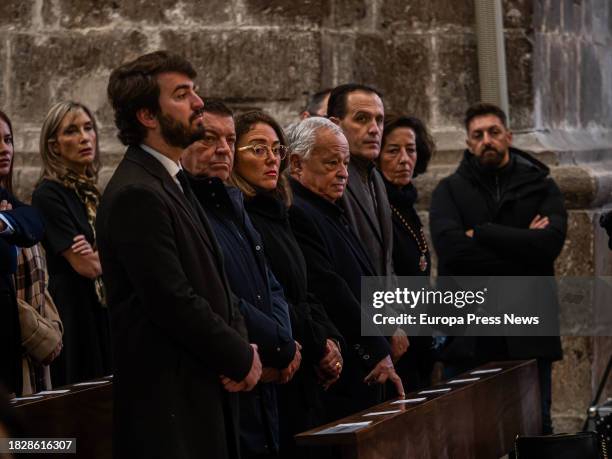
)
(209, 163)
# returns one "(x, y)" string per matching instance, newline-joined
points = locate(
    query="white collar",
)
(172, 167)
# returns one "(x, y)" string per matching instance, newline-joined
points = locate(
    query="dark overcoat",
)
(300, 404)
(173, 325)
(336, 263)
(371, 222)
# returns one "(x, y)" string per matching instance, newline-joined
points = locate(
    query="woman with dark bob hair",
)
(406, 150)
(261, 157)
(68, 198)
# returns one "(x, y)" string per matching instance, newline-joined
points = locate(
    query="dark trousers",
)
(545, 377)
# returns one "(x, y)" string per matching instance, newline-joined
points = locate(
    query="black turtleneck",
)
(406, 252)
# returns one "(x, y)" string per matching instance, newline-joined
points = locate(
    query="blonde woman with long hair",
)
(68, 198)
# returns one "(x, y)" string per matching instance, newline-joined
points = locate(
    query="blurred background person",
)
(605, 221)
(317, 104)
(258, 173)
(68, 198)
(406, 150)
(20, 226)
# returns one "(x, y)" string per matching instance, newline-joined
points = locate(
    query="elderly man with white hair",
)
(336, 261)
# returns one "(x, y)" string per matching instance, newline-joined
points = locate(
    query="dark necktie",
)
(189, 194)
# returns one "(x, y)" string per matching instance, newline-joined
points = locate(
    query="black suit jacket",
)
(173, 323)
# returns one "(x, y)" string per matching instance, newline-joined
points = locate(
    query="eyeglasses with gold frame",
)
(261, 150)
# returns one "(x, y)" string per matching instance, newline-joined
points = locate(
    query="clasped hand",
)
(250, 380)
(286, 374)
(330, 366)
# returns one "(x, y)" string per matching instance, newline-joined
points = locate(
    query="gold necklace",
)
(421, 242)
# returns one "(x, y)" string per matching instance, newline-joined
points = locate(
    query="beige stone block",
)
(167, 13)
(16, 14)
(457, 77)
(287, 14)
(576, 258)
(578, 186)
(418, 15)
(337, 61)
(427, 182)
(348, 13)
(400, 67)
(251, 65)
(70, 65)
(571, 389)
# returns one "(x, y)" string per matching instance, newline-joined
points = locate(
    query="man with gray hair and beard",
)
(336, 261)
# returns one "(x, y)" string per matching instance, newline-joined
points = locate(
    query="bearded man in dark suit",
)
(179, 343)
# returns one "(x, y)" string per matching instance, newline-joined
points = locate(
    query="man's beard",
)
(177, 134)
(489, 161)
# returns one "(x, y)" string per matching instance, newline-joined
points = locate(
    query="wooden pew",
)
(84, 412)
(475, 419)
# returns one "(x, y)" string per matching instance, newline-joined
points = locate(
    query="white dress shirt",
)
(172, 167)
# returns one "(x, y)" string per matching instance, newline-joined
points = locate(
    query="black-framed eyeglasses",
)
(261, 150)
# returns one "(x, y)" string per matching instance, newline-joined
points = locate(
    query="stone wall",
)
(253, 53)
(574, 49)
(573, 117)
(271, 53)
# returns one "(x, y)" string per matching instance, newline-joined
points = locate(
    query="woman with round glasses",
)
(261, 156)
(259, 153)
(68, 198)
